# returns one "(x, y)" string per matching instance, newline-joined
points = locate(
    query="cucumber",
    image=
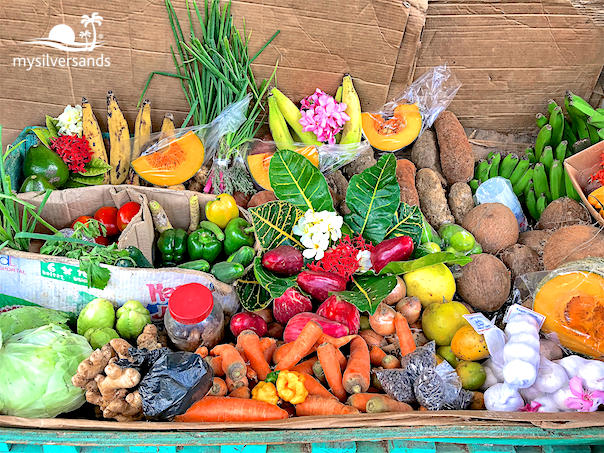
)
(197, 265)
(137, 256)
(228, 272)
(245, 256)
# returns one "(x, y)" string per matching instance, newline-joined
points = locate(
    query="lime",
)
(472, 375)
(447, 353)
(462, 241)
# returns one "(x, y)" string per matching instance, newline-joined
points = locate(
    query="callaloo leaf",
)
(368, 291)
(274, 222)
(402, 267)
(274, 284)
(51, 124)
(251, 294)
(407, 222)
(296, 180)
(87, 180)
(95, 167)
(373, 197)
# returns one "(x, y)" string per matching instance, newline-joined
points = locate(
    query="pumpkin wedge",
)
(394, 133)
(258, 164)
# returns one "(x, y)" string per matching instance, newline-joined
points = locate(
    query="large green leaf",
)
(274, 284)
(95, 167)
(296, 180)
(51, 125)
(43, 135)
(87, 180)
(402, 267)
(251, 294)
(407, 222)
(274, 222)
(373, 197)
(368, 291)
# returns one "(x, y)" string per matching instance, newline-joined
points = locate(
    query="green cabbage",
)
(23, 318)
(36, 367)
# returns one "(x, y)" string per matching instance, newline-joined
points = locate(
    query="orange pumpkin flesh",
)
(174, 164)
(573, 305)
(258, 164)
(394, 133)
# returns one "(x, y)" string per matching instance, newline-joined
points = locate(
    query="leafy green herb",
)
(402, 267)
(95, 167)
(87, 180)
(274, 284)
(373, 196)
(43, 135)
(407, 222)
(273, 223)
(368, 291)
(251, 294)
(51, 125)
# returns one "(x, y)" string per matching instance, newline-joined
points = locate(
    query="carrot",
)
(405, 337)
(356, 377)
(268, 346)
(232, 363)
(390, 362)
(241, 352)
(359, 400)
(251, 373)
(251, 346)
(337, 342)
(341, 359)
(216, 364)
(372, 338)
(383, 403)
(202, 351)
(241, 392)
(302, 346)
(305, 367)
(333, 373)
(219, 388)
(318, 405)
(317, 370)
(314, 387)
(232, 385)
(280, 352)
(225, 409)
(376, 355)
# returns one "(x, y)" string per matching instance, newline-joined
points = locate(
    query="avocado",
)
(36, 183)
(40, 160)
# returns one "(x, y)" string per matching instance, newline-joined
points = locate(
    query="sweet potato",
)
(405, 175)
(432, 199)
(460, 200)
(456, 155)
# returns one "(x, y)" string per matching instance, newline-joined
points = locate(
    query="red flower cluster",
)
(74, 151)
(599, 175)
(341, 259)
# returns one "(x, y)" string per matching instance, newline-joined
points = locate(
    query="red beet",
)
(395, 249)
(341, 311)
(297, 323)
(319, 284)
(248, 321)
(290, 304)
(284, 260)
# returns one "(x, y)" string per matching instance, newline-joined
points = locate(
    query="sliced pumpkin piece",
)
(174, 164)
(394, 133)
(258, 164)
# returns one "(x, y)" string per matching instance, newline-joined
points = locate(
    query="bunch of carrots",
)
(337, 384)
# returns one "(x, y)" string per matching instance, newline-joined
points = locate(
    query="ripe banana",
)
(556, 120)
(541, 120)
(556, 180)
(142, 130)
(351, 133)
(571, 192)
(519, 171)
(338, 96)
(547, 158)
(561, 150)
(119, 138)
(530, 154)
(167, 126)
(531, 204)
(494, 170)
(551, 105)
(279, 130)
(92, 132)
(292, 115)
(543, 139)
(523, 182)
(540, 181)
(508, 164)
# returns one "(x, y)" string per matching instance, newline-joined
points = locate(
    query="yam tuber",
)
(424, 154)
(460, 200)
(405, 176)
(432, 199)
(456, 155)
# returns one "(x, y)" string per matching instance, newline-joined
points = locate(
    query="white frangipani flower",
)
(315, 246)
(364, 259)
(70, 121)
(323, 222)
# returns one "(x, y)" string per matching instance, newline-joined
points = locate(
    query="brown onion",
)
(265, 314)
(372, 338)
(399, 291)
(382, 321)
(410, 308)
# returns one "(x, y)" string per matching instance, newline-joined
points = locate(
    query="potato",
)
(563, 212)
(460, 200)
(535, 240)
(432, 199)
(405, 176)
(456, 155)
(424, 154)
(493, 225)
(572, 243)
(484, 283)
(261, 197)
(520, 260)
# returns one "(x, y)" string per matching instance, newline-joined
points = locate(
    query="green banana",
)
(541, 204)
(474, 183)
(529, 186)
(547, 158)
(530, 154)
(519, 171)
(593, 134)
(596, 121)
(482, 171)
(551, 105)
(490, 155)
(479, 167)
(556, 120)
(561, 150)
(601, 134)
(571, 192)
(543, 139)
(556, 180)
(523, 182)
(494, 170)
(582, 131)
(540, 181)
(508, 164)
(541, 120)
(568, 134)
(580, 104)
(531, 204)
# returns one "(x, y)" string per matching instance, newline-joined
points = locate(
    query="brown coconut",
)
(535, 239)
(572, 243)
(563, 212)
(520, 260)
(493, 225)
(484, 283)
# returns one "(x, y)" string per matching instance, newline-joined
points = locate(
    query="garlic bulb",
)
(592, 373)
(571, 364)
(547, 404)
(550, 377)
(501, 397)
(519, 374)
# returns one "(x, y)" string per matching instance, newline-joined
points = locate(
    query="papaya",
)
(393, 133)
(176, 163)
(572, 300)
(258, 164)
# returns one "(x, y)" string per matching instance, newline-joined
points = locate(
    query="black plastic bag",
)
(174, 383)
(142, 359)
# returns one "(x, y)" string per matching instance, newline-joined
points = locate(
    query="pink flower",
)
(583, 400)
(533, 406)
(322, 115)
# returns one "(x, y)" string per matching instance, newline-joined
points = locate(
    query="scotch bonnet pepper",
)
(238, 233)
(290, 387)
(203, 245)
(172, 245)
(265, 391)
(221, 210)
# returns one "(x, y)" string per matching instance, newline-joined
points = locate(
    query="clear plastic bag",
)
(171, 158)
(437, 387)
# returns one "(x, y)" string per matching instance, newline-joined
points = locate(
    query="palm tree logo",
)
(86, 35)
(62, 36)
(91, 20)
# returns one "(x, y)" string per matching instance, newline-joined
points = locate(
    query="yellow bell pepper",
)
(596, 199)
(290, 387)
(222, 210)
(265, 391)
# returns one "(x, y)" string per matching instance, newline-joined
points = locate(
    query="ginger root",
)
(149, 339)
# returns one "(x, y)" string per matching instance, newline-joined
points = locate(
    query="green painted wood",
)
(61, 449)
(567, 449)
(372, 447)
(201, 449)
(145, 449)
(5, 447)
(334, 447)
(242, 448)
(287, 448)
(490, 448)
(409, 446)
(451, 448)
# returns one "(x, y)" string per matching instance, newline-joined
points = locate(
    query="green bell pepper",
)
(238, 233)
(203, 245)
(172, 244)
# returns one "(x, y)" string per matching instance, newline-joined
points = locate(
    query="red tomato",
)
(107, 215)
(82, 219)
(102, 240)
(126, 213)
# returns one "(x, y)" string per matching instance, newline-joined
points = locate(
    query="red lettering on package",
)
(159, 293)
